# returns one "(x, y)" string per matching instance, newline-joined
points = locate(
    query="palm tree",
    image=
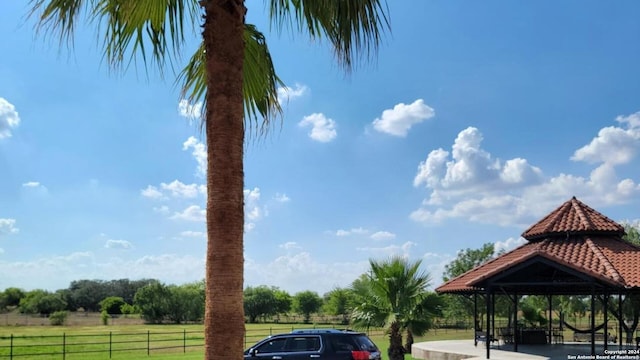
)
(233, 72)
(394, 296)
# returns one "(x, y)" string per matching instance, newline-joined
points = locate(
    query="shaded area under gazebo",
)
(575, 250)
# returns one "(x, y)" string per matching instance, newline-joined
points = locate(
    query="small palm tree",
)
(394, 295)
(233, 72)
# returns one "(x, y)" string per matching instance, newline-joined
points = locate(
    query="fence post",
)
(184, 340)
(110, 342)
(64, 343)
(148, 342)
(11, 348)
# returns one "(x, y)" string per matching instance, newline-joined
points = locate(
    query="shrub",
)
(58, 318)
(104, 316)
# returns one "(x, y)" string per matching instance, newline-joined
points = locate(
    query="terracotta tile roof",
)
(574, 236)
(609, 260)
(573, 217)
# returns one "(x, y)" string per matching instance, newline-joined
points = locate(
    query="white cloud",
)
(193, 234)
(253, 210)
(199, 152)
(118, 244)
(402, 117)
(35, 186)
(354, 231)
(8, 226)
(403, 250)
(191, 213)
(179, 189)
(323, 129)
(281, 198)
(509, 244)
(299, 271)
(188, 110)
(286, 94)
(9, 118)
(61, 270)
(164, 209)
(291, 245)
(613, 145)
(468, 183)
(151, 192)
(383, 235)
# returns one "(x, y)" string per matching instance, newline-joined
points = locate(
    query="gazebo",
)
(574, 250)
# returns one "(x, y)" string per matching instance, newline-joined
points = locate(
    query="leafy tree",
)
(394, 295)
(259, 301)
(12, 296)
(186, 302)
(127, 309)
(339, 302)
(234, 73)
(112, 305)
(86, 294)
(460, 306)
(283, 302)
(41, 302)
(307, 303)
(153, 302)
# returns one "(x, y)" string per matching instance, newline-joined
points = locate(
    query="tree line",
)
(393, 294)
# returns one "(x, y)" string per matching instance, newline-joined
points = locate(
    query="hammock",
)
(575, 330)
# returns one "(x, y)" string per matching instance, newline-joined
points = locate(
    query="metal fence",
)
(107, 344)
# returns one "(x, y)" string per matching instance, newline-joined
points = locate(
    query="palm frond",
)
(260, 86)
(354, 28)
(152, 29)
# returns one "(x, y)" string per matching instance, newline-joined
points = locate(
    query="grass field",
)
(170, 342)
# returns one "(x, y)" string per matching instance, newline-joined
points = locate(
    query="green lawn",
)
(168, 342)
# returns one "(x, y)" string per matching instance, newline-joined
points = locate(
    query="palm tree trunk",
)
(224, 313)
(409, 343)
(396, 350)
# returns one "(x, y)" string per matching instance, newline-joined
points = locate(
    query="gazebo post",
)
(620, 319)
(606, 320)
(475, 318)
(493, 315)
(550, 316)
(487, 335)
(593, 322)
(515, 321)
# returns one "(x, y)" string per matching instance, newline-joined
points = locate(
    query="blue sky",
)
(475, 120)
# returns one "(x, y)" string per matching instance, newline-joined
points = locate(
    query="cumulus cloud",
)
(286, 94)
(188, 110)
(253, 209)
(191, 213)
(469, 183)
(199, 152)
(193, 234)
(294, 270)
(509, 244)
(613, 145)
(151, 192)
(383, 235)
(35, 186)
(281, 198)
(354, 231)
(290, 245)
(403, 250)
(323, 129)
(62, 269)
(399, 120)
(8, 226)
(9, 118)
(118, 244)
